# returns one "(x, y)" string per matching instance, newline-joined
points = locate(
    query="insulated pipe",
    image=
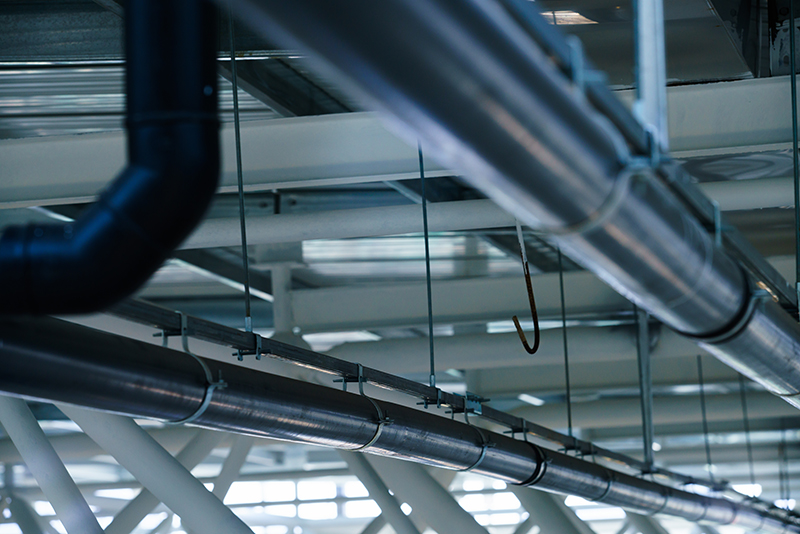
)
(156, 201)
(486, 101)
(52, 360)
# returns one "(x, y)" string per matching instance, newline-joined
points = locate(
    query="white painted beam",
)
(159, 472)
(46, 467)
(645, 524)
(481, 351)
(454, 301)
(549, 512)
(237, 456)
(727, 117)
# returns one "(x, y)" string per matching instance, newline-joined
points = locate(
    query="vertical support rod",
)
(746, 420)
(564, 336)
(704, 415)
(46, 467)
(248, 320)
(378, 491)
(282, 310)
(651, 70)
(432, 381)
(157, 470)
(795, 156)
(645, 383)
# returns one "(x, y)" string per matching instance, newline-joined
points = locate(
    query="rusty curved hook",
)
(526, 270)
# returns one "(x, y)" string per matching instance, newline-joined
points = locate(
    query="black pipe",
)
(52, 360)
(173, 154)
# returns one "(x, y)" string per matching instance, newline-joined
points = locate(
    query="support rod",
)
(159, 472)
(46, 467)
(645, 383)
(51, 360)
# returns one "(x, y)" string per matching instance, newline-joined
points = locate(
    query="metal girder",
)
(162, 474)
(645, 524)
(237, 456)
(550, 513)
(413, 484)
(192, 454)
(379, 492)
(46, 466)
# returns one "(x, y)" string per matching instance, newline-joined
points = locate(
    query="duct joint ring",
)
(486, 444)
(382, 419)
(739, 322)
(608, 208)
(211, 385)
(666, 502)
(541, 466)
(611, 478)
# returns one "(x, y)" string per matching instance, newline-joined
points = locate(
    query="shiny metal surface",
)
(489, 103)
(52, 360)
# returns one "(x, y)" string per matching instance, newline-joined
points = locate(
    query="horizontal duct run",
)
(51, 360)
(486, 99)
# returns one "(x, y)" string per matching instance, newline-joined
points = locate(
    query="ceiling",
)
(308, 151)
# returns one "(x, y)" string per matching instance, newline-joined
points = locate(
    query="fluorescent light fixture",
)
(406, 508)
(125, 494)
(530, 399)
(573, 501)
(566, 18)
(365, 508)
(698, 489)
(656, 446)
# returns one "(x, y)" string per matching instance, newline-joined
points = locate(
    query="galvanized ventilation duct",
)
(55, 361)
(172, 173)
(472, 83)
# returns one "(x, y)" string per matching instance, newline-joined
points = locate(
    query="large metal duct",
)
(173, 152)
(472, 83)
(52, 360)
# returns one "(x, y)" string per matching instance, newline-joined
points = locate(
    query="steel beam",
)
(159, 472)
(645, 524)
(414, 485)
(237, 456)
(46, 467)
(550, 513)
(192, 454)
(378, 491)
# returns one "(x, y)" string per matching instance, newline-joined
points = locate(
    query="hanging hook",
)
(526, 270)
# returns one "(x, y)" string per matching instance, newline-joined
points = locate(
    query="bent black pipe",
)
(173, 169)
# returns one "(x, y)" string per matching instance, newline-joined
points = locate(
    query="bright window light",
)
(43, 508)
(354, 489)
(56, 524)
(176, 521)
(698, 488)
(504, 501)
(482, 519)
(278, 491)
(6, 513)
(104, 521)
(504, 519)
(600, 514)
(316, 489)
(530, 399)
(473, 484)
(281, 510)
(366, 508)
(786, 504)
(406, 508)
(574, 500)
(209, 486)
(318, 511)
(10, 528)
(276, 529)
(751, 490)
(499, 485)
(656, 446)
(244, 493)
(151, 521)
(475, 502)
(118, 493)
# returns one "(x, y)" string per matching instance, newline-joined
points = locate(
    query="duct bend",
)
(173, 168)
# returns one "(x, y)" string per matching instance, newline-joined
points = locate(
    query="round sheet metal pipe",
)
(52, 360)
(488, 103)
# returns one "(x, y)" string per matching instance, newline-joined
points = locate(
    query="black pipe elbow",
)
(155, 203)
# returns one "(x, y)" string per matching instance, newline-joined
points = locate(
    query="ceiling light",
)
(530, 399)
